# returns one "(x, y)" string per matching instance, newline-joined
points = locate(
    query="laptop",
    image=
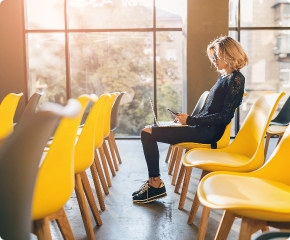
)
(163, 124)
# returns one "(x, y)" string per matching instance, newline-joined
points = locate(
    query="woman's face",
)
(220, 64)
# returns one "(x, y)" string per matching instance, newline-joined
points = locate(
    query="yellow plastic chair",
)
(20, 156)
(180, 147)
(84, 159)
(8, 108)
(114, 124)
(97, 169)
(103, 149)
(244, 154)
(99, 108)
(260, 198)
(55, 181)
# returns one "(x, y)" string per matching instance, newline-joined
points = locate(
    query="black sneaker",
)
(149, 194)
(144, 185)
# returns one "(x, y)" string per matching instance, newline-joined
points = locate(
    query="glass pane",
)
(169, 13)
(264, 13)
(104, 14)
(267, 69)
(43, 14)
(169, 73)
(46, 59)
(108, 62)
(233, 13)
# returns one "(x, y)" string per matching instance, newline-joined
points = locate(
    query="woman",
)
(228, 56)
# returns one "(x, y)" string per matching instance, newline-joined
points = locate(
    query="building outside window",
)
(264, 32)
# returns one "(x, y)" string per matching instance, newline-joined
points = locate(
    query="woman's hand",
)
(181, 117)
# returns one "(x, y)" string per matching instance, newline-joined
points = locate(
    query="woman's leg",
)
(171, 135)
(154, 188)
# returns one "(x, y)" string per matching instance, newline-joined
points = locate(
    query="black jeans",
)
(171, 135)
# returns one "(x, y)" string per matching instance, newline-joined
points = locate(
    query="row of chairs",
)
(244, 155)
(70, 152)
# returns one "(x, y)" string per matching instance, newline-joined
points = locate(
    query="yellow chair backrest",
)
(278, 165)
(7, 111)
(225, 139)
(107, 125)
(85, 146)
(250, 139)
(100, 124)
(55, 181)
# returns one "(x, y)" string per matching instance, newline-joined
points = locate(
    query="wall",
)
(12, 55)
(205, 22)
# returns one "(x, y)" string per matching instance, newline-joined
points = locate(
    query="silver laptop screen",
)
(152, 107)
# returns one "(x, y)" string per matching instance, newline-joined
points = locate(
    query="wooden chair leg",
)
(180, 178)
(98, 186)
(279, 138)
(108, 158)
(195, 203)
(250, 226)
(168, 153)
(188, 171)
(83, 207)
(41, 229)
(90, 198)
(193, 211)
(172, 160)
(63, 224)
(268, 136)
(116, 148)
(112, 150)
(225, 226)
(105, 167)
(176, 167)
(203, 223)
(100, 173)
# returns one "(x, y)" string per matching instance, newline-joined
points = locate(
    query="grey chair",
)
(278, 125)
(114, 124)
(30, 108)
(20, 157)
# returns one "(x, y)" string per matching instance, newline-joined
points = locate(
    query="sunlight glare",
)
(173, 6)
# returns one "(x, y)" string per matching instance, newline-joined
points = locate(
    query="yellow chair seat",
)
(246, 196)
(222, 161)
(191, 145)
(260, 198)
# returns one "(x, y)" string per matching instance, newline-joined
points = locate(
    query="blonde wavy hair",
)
(229, 50)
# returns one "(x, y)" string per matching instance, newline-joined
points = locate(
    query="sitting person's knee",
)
(147, 129)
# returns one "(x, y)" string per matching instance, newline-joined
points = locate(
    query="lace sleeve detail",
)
(232, 99)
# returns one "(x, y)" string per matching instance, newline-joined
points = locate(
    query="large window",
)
(99, 46)
(263, 28)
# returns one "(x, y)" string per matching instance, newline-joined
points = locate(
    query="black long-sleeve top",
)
(223, 99)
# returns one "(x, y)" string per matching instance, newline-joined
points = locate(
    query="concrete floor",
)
(124, 220)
